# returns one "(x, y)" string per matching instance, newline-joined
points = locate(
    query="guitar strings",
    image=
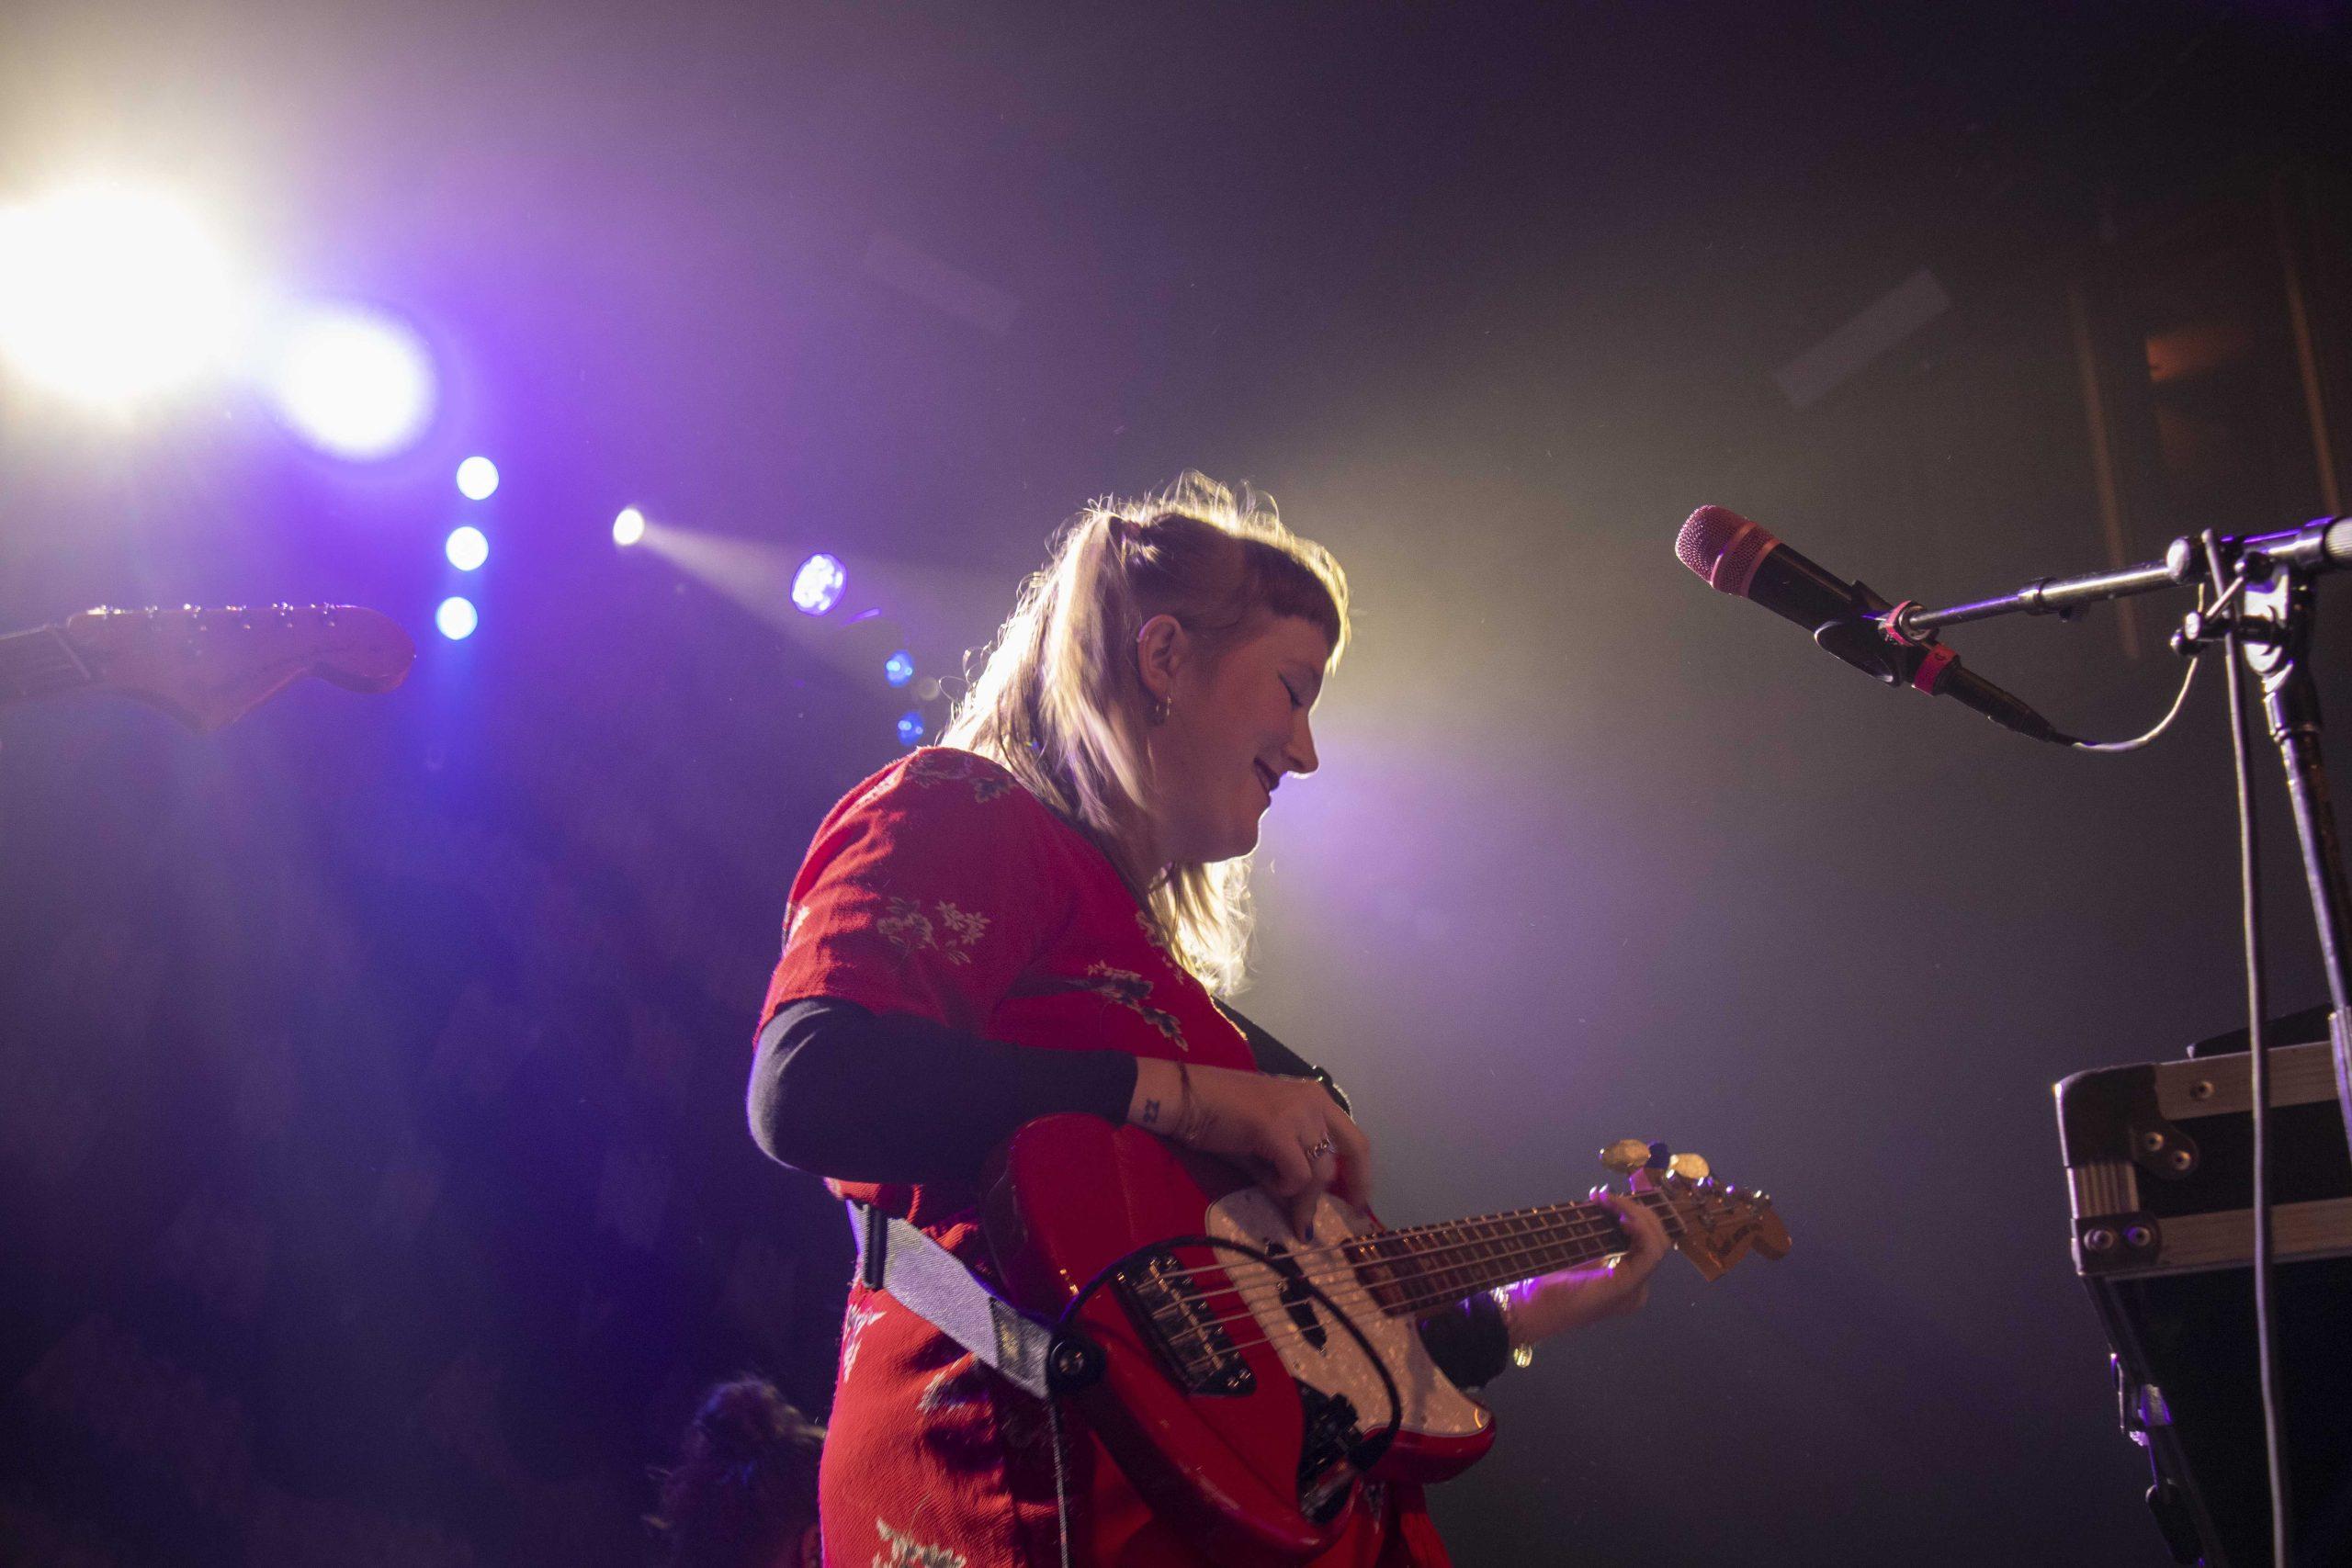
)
(1358, 1293)
(1417, 1294)
(1271, 1279)
(1485, 1250)
(1592, 1221)
(1381, 1245)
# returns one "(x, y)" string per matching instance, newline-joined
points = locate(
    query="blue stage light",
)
(899, 668)
(457, 618)
(468, 547)
(816, 586)
(477, 479)
(910, 729)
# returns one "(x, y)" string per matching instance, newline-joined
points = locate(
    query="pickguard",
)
(1330, 1359)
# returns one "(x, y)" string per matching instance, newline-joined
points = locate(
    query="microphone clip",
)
(1870, 637)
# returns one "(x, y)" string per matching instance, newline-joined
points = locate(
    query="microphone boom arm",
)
(2321, 546)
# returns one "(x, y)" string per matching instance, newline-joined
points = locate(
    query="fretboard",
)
(1410, 1272)
(37, 662)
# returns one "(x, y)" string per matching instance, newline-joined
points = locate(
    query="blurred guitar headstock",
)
(207, 668)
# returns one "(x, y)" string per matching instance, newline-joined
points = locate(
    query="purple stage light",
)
(629, 526)
(477, 479)
(457, 618)
(816, 586)
(911, 728)
(468, 547)
(355, 383)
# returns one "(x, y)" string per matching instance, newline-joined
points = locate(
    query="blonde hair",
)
(1060, 700)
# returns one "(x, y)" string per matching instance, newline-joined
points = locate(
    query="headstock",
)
(1714, 1223)
(207, 667)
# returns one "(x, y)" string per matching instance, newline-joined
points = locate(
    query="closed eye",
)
(1294, 701)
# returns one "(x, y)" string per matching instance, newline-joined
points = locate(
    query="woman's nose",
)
(1299, 755)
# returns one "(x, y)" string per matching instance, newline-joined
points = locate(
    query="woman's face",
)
(1235, 725)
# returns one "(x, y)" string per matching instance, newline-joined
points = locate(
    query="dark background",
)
(376, 1187)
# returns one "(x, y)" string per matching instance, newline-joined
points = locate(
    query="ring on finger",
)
(1318, 1151)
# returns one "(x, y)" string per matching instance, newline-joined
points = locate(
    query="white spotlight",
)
(110, 294)
(629, 526)
(355, 383)
(477, 479)
(467, 547)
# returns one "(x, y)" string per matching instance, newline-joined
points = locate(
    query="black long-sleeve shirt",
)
(842, 1093)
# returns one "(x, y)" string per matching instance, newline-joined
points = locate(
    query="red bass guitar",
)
(1247, 1382)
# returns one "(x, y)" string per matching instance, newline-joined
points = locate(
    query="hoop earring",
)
(1158, 711)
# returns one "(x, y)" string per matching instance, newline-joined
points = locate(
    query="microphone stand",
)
(2274, 576)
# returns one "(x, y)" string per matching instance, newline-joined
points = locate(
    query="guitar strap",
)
(1273, 1056)
(929, 1281)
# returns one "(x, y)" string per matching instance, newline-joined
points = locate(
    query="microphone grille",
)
(1723, 546)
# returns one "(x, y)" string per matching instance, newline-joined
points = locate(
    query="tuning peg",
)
(1694, 1166)
(1626, 1155)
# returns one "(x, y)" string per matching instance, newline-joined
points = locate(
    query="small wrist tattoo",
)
(1151, 1113)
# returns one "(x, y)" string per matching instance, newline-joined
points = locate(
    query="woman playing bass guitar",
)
(1037, 918)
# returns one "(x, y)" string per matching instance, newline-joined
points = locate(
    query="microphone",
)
(1849, 619)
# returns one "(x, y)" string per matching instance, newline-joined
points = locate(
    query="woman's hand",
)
(1576, 1297)
(1287, 1133)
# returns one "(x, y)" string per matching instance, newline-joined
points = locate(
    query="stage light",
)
(468, 547)
(816, 586)
(110, 294)
(457, 618)
(355, 383)
(910, 729)
(899, 668)
(477, 479)
(629, 526)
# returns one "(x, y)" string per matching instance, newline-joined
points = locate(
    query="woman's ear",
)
(1161, 649)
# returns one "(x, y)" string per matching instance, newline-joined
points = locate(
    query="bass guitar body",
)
(1236, 1399)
